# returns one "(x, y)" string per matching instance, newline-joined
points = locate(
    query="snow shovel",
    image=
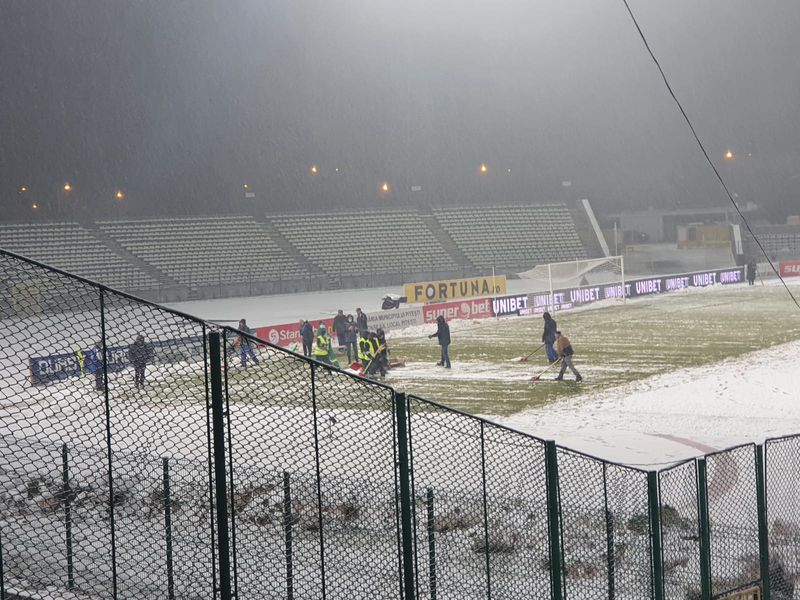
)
(525, 358)
(550, 366)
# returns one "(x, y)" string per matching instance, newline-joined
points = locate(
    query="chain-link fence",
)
(148, 454)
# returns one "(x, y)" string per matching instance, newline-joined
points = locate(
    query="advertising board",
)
(451, 289)
(790, 268)
(464, 309)
(56, 367)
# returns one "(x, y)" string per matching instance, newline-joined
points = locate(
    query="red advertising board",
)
(461, 309)
(790, 268)
(287, 334)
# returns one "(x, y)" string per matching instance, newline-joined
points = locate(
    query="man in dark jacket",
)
(361, 321)
(139, 354)
(340, 327)
(245, 345)
(96, 366)
(443, 333)
(351, 339)
(307, 335)
(751, 271)
(549, 337)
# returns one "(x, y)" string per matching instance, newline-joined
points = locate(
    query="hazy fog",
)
(179, 103)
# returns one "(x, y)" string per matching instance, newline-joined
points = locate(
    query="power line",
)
(708, 158)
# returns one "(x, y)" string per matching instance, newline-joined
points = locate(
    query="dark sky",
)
(179, 103)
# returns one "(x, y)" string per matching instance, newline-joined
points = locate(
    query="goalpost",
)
(609, 270)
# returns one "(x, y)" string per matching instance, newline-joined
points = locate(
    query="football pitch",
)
(614, 345)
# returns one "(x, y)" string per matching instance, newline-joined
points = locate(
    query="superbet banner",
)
(565, 299)
(442, 291)
(465, 309)
(790, 268)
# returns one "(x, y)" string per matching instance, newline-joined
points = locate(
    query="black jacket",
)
(139, 354)
(361, 321)
(307, 332)
(340, 324)
(443, 333)
(550, 327)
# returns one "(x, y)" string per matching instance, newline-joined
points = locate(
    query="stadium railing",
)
(292, 479)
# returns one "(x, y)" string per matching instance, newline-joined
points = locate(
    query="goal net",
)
(575, 273)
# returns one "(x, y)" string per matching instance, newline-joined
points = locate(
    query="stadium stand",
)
(781, 242)
(512, 237)
(70, 247)
(204, 251)
(372, 243)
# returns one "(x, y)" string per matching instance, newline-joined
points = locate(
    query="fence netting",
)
(127, 472)
(680, 531)
(782, 466)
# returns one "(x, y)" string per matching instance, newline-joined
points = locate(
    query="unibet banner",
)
(451, 289)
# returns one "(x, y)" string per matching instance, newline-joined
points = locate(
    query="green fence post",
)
(763, 534)
(656, 549)
(705, 533)
(609, 536)
(220, 479)
(287, 534)
(2, 572)
(553, 520)
(66, 497)
(486, 518)
(401, 409)
(168, 529)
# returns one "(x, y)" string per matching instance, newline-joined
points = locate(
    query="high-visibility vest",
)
(364, 350)
(322, 346)
(375, 346)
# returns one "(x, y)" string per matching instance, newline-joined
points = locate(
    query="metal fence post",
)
(2, 571)
(553, 519)
(431, 543)
(656, 549)
(609, 535)
(66, 497)
(485, 517)
(319, 477)
(220, 479)
(110, 454)
(705, 533)
(763, 533)
(287, 534)
(401, 408)
(168, 530)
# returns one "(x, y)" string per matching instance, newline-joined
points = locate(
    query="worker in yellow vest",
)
(322, 345)
(364, 349)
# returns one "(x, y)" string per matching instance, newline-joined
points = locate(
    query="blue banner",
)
(57, 367)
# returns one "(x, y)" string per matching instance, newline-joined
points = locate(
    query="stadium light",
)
(34, 206)
(23, 189)
(729, 155)
(314, 170)
(245, 186)
(119, 195)
(67, 187)
(484, 169)
(385, 187)
(508, 170)
(337, 169)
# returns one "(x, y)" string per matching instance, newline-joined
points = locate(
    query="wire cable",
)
(705, 153)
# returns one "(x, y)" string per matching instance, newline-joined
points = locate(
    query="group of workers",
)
(365, 347)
